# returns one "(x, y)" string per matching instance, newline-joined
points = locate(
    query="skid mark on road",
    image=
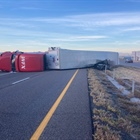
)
(47, 118)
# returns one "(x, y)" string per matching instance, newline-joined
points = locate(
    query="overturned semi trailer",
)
(58, 58)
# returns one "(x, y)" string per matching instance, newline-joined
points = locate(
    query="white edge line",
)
(20, 80)
(7, 73)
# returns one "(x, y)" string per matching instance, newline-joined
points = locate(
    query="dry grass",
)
(114, 116)
(103, 132)
(125, 75)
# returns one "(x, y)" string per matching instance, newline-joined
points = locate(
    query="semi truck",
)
(22, 62)
(58, 58)
(55, 58)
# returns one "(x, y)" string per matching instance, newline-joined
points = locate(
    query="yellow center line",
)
(45, 121)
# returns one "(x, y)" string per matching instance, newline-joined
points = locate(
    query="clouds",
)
(85, 21)
(94, 29)
(92, 20)
(137, 28)
(74, 38)
(107, 19)
(81, 23)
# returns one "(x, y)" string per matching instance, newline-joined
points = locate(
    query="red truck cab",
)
(22, 62)
(5, 61)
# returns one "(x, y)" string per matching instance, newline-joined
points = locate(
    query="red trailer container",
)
(22, 62)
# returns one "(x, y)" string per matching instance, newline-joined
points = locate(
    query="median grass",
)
(114, 116)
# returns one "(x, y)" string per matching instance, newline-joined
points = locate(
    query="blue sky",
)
(103, 25)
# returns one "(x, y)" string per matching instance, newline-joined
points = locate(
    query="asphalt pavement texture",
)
(134, 64)
(24, 105)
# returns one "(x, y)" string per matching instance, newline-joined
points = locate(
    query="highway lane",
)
(134, 64)
(71, 121)
(23, 105)
(9, 78)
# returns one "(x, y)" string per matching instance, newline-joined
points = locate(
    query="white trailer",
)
(58, 58)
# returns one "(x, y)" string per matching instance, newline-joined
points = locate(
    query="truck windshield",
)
(13, 62)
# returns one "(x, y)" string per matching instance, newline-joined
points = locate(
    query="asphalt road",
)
(134, 64)
(26, 98)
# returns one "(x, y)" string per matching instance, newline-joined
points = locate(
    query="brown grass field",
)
(115, 117)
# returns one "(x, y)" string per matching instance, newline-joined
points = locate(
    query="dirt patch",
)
(115, 117)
